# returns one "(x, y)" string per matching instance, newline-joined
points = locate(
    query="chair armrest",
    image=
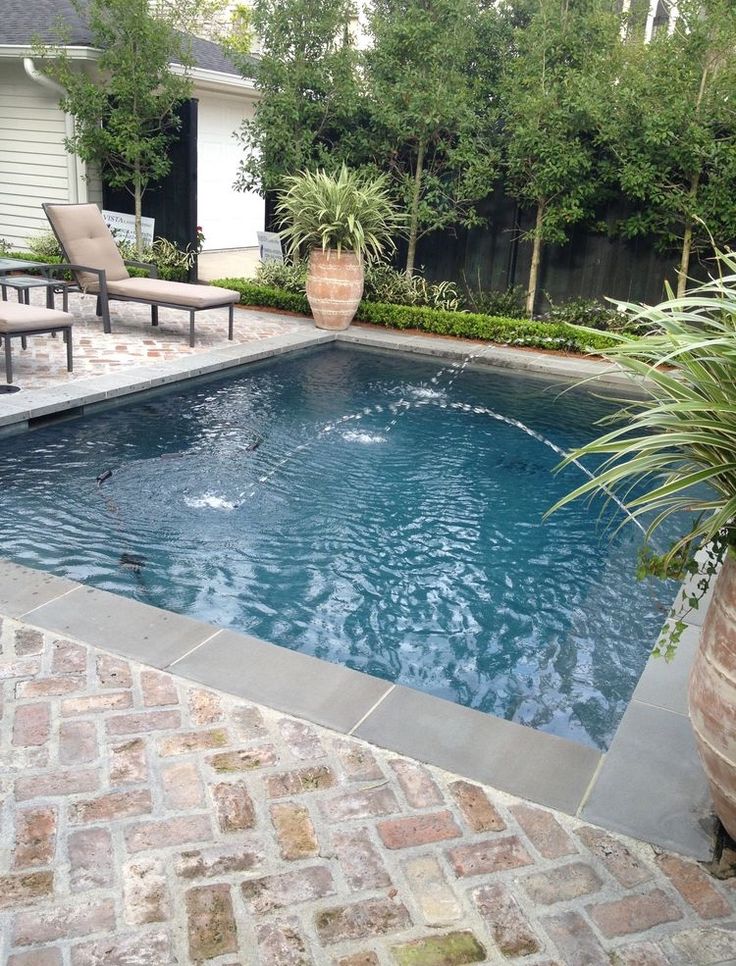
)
(150, 268)
(73, 267)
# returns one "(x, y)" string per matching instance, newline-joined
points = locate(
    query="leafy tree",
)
(126, 111)
(670, 125)
(550, 159)
(430, 107)
(308, 85)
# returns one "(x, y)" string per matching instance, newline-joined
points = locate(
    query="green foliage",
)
(171, 262)
(588, 312)
(6, 249)
(429, 114)
(347, 210)
(253, 293)
(383, 283)
(126, 112)
(289, 275)
(550, 159)
(308, 85)
(508, 302)
(680, 563)
(669, 126)
(678, 442)
(464, 325)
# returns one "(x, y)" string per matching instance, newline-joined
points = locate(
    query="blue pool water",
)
(362, 508)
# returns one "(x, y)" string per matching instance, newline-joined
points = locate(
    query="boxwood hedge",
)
(464, 325)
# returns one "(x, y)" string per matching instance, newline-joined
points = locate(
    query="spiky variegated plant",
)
(347, 210)
(674, 450)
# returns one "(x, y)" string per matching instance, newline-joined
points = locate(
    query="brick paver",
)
(134, 341)
(147, 821)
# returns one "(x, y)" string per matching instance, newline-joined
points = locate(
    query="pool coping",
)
(649, 784)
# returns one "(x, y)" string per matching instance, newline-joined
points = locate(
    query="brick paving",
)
(133, 341)
(149, 821)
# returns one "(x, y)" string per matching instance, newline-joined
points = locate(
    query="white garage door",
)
(229, 218)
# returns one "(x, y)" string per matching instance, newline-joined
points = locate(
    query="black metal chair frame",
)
(41, 330)
(104, 298)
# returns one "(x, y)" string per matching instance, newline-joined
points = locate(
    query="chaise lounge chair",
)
(98, 267)
(20, 321)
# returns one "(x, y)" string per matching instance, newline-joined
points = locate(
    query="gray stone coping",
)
(649, 784)
(18, 411)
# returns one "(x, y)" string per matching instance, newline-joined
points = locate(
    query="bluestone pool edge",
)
(594, 776)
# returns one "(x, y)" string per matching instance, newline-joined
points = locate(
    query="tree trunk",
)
(531, 295)
(687, 239)
(682, 272)
(138, 198)
(414, 216)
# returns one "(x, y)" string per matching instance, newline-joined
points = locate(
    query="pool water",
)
(366, 509)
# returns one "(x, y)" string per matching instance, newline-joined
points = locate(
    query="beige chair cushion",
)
(87, 240)
(15, 317)
(175, 293)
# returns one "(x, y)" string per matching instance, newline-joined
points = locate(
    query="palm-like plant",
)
(675, 449)
(348, 210)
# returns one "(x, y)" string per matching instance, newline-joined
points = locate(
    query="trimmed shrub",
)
(463, 325)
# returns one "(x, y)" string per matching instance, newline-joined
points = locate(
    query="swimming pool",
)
(360, 507)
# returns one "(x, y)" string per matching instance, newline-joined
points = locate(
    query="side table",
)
(24, 283)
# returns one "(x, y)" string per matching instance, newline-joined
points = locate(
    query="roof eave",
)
(217, 81)
(78, 52)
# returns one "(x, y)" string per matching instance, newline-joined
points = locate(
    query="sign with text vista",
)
(123, 226)
(270, 244)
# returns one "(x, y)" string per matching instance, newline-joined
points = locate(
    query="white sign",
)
(270, 243)
(123, 226)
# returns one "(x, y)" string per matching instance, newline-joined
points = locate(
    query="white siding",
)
(229, 218)
(33, 162)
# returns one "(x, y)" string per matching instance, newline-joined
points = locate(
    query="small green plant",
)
(684, 563)
(349, 210)
(5, 248)
(289, 275)
(508, 302)
(588, 312)
(45, 247)
(384, 283)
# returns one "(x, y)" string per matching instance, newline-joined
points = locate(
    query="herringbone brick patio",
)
(148, 821)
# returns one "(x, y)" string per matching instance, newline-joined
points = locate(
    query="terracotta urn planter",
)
(334, 287)
(713, 696)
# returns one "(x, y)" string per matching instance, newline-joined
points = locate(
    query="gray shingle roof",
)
(24, 22)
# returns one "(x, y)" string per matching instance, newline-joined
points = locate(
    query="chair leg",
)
(23, 342)
(191, 328)
(105, 313)
(69, 350)
(230, 322)
(50, 297)
(65, 299)
(4, 289)
(154, 315)
(98, 307)
(8, 360)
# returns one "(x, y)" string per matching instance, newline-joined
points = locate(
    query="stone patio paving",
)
(134, 341)
(147, 821)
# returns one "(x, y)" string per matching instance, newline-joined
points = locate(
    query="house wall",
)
(229, 218)
(34, 166)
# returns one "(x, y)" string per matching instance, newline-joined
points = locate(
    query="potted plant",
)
(674, 453)
(340, 219)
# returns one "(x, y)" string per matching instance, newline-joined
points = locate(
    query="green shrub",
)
(464, 325)
(384, 283)
(588, 312)
(289, 275)
(506, 302)
(172, 263)
(252, 293)
(6, 249)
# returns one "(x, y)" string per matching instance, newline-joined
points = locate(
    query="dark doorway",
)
(172, 202)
